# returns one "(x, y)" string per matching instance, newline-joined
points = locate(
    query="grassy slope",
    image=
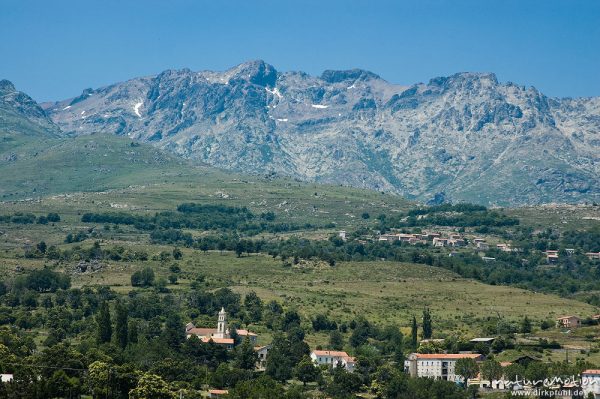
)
(558, 217)
(384, 292)
(143, 178)
(105, 173)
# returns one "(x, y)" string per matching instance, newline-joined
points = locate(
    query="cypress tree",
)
(526, 325)
(246, 356)
(413, 336)
(133, 332)
(104, 324)
(174, 332)
(427, 329)
(121, 325)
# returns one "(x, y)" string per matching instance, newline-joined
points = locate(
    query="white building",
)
(436, 365)
(389, 237)
(261, 353)
(482, 245)
(332, 358)
(6, 377)
(440, 242)
(590, 383)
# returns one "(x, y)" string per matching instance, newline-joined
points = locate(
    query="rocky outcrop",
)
(20, 113)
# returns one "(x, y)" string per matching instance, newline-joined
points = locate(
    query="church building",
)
(221, 335)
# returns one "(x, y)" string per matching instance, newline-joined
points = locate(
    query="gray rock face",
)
(20, 113)
(462, 137)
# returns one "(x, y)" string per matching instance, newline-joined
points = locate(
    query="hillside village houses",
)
(551, 256)
(436, 365)
(220, 335)
(333, 359)
(506, 248)
(481, 244)
(453, 240)
(456, 240)
(568, 322)
(593, 255)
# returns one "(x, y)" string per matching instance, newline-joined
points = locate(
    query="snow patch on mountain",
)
(136, 108)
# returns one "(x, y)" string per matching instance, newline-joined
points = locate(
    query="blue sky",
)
(54, 49)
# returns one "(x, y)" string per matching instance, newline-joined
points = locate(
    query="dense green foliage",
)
(588, 240)
(573, 274)
(460, 215)
(197, 216)
(29, 218)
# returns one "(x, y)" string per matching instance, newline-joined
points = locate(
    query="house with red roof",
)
(333, 359)
(217, 393)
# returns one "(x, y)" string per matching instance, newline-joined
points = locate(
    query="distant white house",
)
(482, 245)
(456, 242)
(436, 365)
(551, 256)
(389, 237)
(506, 248)
(332, 358)
(593, 255)
(440, 242)
(590, 383)
(6, 377)
(261, 353)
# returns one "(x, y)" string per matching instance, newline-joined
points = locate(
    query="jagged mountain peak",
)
(6, 87)
(465, 81)
(255, 71)
(465, 135)
(337, 76)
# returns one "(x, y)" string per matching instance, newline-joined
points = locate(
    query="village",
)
(441, 365)
(452, 240)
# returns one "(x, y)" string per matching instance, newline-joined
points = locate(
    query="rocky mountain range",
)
(466, 137)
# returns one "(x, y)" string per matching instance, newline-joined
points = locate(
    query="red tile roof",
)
(228, 341)
(447, 355)
(206, 332)
(596, 372)
(330, 353)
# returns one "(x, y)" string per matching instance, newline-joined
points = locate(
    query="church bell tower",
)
(222, 331)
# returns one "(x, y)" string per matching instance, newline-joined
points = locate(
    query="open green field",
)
(103, 172)
(383, 292)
